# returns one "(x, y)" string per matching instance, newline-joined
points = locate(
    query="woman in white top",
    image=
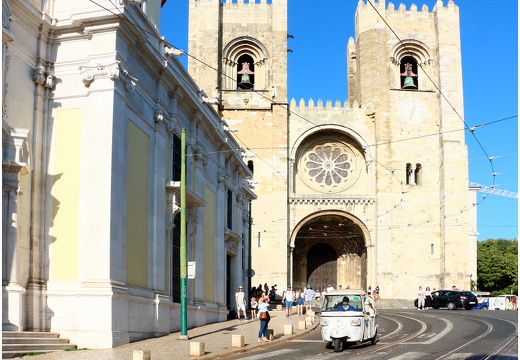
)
(263, 308)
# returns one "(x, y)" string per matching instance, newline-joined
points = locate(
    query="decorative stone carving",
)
(89, 73)
(221, 175)
(159, 115)
(232, 241)
(42, 77)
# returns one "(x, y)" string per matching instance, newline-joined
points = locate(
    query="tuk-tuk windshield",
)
(342, 303)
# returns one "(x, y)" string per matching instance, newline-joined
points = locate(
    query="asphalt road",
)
(413, 334)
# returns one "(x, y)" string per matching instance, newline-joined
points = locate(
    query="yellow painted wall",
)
(137, 207)
(209, 246)
(65, 190)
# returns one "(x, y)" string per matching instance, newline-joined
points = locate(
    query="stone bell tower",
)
(239, 56)
(410, 76)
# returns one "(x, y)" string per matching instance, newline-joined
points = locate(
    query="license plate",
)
(471, 302)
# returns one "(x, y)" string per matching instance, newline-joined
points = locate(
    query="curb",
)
(281, 339)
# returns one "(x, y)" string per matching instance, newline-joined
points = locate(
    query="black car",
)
(452, 299)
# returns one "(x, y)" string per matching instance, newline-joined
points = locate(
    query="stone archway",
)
(329, 248)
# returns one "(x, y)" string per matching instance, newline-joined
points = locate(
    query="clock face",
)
(412, 111)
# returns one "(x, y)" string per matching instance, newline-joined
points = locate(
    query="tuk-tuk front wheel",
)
(338, 345)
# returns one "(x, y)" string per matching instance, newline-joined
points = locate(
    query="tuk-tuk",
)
(348, 316)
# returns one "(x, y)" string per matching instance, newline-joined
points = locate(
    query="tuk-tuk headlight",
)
(324, 321)
(355, 322)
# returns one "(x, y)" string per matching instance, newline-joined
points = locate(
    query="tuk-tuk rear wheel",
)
(373, 341)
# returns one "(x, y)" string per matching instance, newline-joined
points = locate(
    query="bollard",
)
(309, 320)
(142, 355)
(288, 329)
(278, 307)
(302, 325)
(197, 348)
(270, 334)
(237, 341)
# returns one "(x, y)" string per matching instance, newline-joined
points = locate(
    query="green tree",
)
(497, 266)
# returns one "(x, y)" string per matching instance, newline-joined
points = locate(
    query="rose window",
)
(329, 165)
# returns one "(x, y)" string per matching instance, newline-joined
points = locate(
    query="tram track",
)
(393, 317)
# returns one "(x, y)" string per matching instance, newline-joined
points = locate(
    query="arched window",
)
(409, 174)
(418, 174)
(413, 64)
(245, 59)
(246, 73)
(408, 70)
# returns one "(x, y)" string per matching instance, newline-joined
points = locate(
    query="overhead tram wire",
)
(124, 17)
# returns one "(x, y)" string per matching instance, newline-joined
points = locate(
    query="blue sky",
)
(489, 41)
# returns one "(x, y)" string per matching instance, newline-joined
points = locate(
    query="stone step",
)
(17, 344)
(29, 334)
(17, 354)
(38, 340)
(29, 347)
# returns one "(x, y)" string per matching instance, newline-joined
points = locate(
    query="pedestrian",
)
(340, 287)
(309, 294)
(376, 293)
(288, 297)
(266, 297)
(232, 314)
(427, 298)
(266, 288)
(263, 315)
(240, 300)
(369, 291)
(420, 299)
(272, 294)
(330, 288)
(254, 306)
(299, 302)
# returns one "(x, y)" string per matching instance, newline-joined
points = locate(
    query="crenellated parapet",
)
(319, 105)
(401, 8)
(248, 2)
(368, 18)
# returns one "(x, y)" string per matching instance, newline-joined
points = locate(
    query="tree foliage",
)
(497, 266)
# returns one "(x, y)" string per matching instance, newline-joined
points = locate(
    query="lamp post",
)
(184, 305)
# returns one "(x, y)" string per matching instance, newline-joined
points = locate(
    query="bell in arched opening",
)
(245, 81)
(409, 82)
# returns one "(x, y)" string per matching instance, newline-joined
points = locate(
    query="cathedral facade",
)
(372, 191)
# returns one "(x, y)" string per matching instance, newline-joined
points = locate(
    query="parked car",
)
(483, 300)
(452, 299)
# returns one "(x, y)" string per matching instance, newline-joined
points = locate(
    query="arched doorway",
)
(329, 248)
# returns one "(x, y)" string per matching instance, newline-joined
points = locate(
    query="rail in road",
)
(412, 334)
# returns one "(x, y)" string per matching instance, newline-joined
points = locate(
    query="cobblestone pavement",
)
(217, 339)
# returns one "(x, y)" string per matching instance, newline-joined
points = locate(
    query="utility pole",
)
(184, 267)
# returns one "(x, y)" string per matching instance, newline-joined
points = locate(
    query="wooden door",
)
(322, 268)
